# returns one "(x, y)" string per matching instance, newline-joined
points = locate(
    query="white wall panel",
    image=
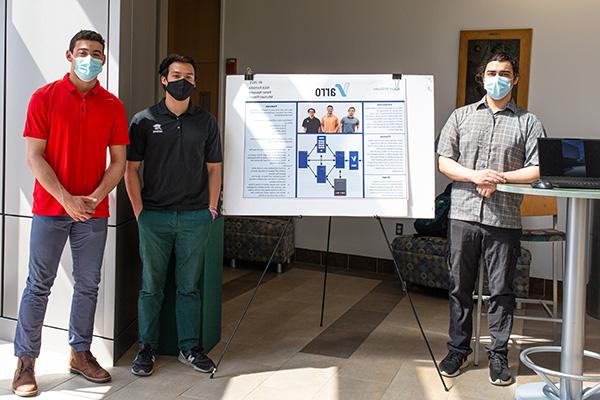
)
(2, 61)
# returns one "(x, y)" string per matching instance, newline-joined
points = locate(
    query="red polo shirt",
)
(78, 130)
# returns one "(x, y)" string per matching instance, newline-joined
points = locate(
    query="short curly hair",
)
(163, 68)
(501, 57)
(86, 35)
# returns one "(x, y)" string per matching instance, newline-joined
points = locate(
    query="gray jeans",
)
(499, 249)
(47, 242)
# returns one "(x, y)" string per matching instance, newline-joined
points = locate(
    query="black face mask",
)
(180, 90)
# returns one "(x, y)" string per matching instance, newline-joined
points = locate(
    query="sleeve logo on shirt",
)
(156, 128)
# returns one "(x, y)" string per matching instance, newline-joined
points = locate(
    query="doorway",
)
(194, 30)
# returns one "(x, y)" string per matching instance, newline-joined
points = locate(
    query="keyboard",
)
(579, 182)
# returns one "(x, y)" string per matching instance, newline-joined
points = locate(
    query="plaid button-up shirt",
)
(479, 139)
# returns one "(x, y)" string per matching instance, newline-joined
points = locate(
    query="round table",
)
(574, 295)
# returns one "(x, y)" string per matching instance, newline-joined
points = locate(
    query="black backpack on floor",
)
(437, 226)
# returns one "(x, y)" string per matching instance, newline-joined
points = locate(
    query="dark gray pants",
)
(499, 249)
(47, 242)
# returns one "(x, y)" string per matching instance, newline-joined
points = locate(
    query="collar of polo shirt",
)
(511, 106)
(163, 109)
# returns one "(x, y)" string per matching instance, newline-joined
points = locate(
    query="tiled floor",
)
(369, 348)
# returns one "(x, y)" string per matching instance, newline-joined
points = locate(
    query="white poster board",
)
(377, 160)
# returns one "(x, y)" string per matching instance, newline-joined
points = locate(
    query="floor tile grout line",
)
(121, 388)
(248, 287)
(373, 292)
(71, 377)
(260, 384)
(333, 376)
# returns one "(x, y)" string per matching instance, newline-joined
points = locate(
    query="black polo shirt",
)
(175, 151)
(311, 125)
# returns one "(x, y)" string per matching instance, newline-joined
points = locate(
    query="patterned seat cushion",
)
(261, 225)
(422, 261)
(424, 245)
(254, 238)
(543, 235)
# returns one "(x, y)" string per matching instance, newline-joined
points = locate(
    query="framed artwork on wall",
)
(477, 46)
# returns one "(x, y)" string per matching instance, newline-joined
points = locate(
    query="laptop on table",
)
(570, 163)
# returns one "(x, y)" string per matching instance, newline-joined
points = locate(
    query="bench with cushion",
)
(422, 261)
(254, 238)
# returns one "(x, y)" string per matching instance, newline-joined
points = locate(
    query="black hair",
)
(330, 106)
(500, 56)
(163, 68)
(86, 35)
(313, 110)
(351, 108)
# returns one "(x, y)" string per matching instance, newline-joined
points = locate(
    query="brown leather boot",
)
(85, 364)
(24, 383)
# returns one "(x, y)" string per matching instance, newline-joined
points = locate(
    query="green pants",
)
(160, 232)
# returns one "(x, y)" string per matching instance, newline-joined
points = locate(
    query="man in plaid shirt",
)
(485, 143)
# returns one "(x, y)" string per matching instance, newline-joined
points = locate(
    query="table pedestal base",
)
(535, 391)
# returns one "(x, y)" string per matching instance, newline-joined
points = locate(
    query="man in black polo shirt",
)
(311, 124)
(181, 150)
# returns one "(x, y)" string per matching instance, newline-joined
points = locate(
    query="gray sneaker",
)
(499, 371)
(196, 359)
(451, 365)
(143, 365)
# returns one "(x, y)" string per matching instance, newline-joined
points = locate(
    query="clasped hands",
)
(486, 181)
(80, 208)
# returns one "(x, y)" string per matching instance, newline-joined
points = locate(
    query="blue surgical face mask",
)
(87, 68)
(497, 86)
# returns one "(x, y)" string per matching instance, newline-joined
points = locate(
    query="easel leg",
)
(325, 274)
(237, 325)
(412, 306)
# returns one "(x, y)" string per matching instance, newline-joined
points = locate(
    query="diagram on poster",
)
(328, 138)
(325, 172)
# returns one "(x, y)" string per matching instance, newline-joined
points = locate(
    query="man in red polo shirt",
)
(70, 124)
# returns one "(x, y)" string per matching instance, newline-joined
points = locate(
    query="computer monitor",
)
(576, 158)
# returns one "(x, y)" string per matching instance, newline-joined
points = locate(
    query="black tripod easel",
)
(262, 276)
(404, 289)
(402, 281)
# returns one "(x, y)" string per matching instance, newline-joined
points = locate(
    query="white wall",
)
(421, 37)
(2, 96)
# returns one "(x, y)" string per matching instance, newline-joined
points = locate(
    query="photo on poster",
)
(313, 117)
